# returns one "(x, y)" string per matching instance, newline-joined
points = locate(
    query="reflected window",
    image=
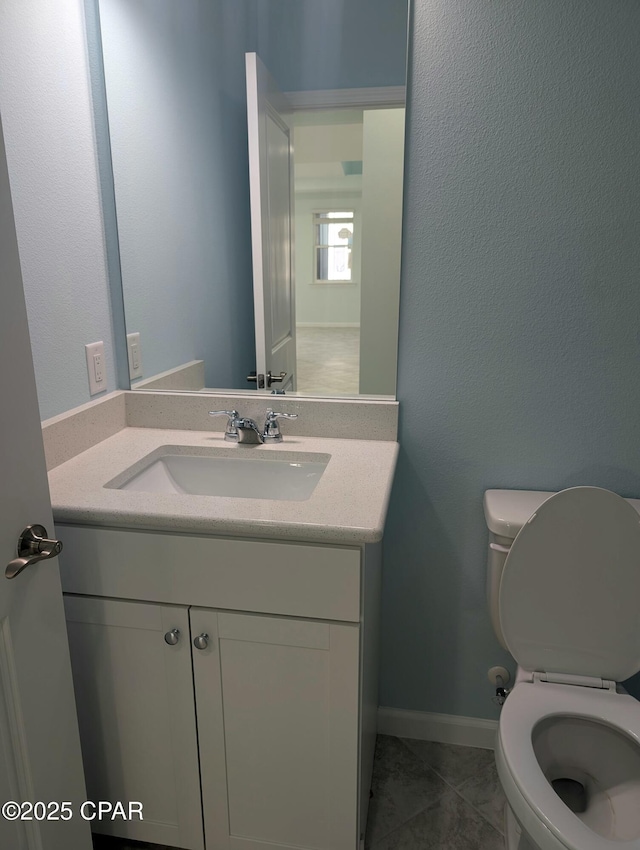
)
(333, 231)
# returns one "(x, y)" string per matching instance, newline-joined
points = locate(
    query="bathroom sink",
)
(290, 476)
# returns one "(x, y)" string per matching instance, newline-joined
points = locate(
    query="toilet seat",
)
(568, 599)
(528, 705)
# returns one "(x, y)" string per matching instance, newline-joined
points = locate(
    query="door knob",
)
(275, 379)
(202, 641)
(33, 546)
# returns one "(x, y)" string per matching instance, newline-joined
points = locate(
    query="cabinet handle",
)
(202, 641)
(172, 637)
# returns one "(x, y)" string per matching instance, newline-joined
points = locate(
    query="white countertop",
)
(348, 506)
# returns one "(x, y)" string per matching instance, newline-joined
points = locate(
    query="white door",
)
(39, 745)
(271, 190)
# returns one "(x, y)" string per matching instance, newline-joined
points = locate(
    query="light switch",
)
(96, 367)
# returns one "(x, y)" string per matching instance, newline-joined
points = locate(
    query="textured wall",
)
(46, 110)
(519, 343)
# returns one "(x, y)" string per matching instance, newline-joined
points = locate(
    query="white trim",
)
(334, 283)
(194, 368)
(327, 324)
(330, 194)
(380, 97)
(444, 728)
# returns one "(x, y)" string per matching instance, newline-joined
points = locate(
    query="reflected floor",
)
(426, 796)
(328, 360)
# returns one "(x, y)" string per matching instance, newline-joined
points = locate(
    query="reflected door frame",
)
(366, 99)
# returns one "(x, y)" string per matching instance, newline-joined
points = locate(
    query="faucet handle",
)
(272, 416)
(271, 428)
(231, 432)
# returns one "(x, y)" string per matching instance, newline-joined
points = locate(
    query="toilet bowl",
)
(564, 591)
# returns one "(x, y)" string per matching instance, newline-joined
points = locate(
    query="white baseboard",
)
(444, 728)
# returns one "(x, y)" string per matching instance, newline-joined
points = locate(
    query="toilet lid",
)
(570, 591)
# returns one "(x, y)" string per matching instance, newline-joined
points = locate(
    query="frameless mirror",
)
(257, 162)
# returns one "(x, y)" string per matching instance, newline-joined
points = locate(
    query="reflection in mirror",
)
(225, 266)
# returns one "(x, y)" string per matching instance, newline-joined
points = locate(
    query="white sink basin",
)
(289, 476)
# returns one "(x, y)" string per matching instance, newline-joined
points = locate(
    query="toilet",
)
(563, 588)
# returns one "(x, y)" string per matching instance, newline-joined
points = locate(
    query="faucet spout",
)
(241, 429)
(248, 432)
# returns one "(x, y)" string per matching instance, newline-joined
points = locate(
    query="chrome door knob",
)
(172, 637)
(202, 641)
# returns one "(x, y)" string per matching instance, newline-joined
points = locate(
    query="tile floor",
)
(328, 360)
(429, 796)
(426, 796)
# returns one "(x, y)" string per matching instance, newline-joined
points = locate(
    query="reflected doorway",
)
(348, 219)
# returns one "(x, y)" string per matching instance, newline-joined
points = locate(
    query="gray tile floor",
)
(429, 796)
(328, 360)
(426, 796)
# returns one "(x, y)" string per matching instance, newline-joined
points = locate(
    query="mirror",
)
(190, 210)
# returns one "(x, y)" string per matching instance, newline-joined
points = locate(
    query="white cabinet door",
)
(277, 705)
(134, 693)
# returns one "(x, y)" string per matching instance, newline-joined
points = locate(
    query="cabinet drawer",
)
(295, 579)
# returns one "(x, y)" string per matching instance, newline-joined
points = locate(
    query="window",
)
(333, 240)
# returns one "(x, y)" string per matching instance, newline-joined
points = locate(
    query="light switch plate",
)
(134, 354)
(96, 367)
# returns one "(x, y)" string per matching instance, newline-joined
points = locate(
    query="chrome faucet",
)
(241, 429)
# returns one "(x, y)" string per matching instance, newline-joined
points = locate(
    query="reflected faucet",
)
(243, 430)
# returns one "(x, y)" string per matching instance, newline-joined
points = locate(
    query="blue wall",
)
(333, 44)
(520, 298)
(177, 119)
(45, 102)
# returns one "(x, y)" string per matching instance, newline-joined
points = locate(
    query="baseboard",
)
(444, 728)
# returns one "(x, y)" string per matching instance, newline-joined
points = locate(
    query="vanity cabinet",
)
(277, 707)
(136, 711)
(259, 722)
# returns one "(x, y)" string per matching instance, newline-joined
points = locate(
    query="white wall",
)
(329, 142)
(383, 156)
(45, 102)
(330, 303)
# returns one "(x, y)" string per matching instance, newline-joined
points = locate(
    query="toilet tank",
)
(505, 511)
